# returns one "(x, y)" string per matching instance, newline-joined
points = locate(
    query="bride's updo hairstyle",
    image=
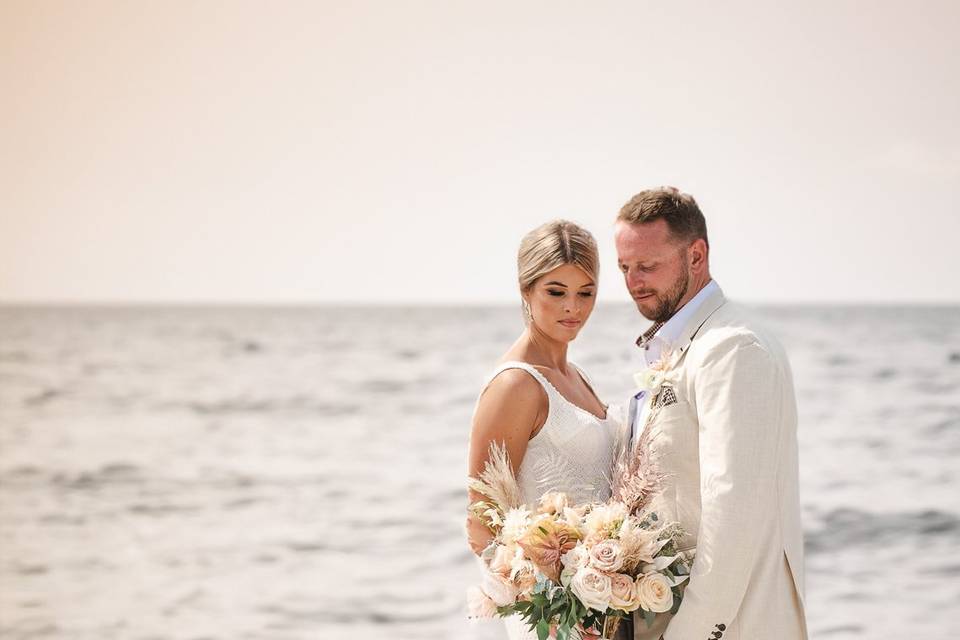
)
(553, 245)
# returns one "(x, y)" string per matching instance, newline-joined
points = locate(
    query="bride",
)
(540, 406)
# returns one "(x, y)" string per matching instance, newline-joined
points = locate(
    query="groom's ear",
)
(697, 254)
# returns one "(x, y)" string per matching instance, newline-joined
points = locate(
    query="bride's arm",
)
(510, 411)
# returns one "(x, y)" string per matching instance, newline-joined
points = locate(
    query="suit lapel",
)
(637, 415)
(706, 309)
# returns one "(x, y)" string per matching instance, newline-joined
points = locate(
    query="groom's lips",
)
(643, 297)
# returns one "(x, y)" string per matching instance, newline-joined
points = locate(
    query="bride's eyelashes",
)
(558, 293)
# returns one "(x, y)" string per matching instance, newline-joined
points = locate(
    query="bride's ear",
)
(525, 295)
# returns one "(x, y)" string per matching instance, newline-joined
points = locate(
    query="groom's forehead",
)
(644, 240)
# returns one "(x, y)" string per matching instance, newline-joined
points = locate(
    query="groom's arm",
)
(738, 403)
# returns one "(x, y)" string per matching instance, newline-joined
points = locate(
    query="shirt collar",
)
(661, 334)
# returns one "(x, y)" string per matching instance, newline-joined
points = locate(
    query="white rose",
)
(593, 588)
(479, 605)
(654, 593)
(623, 593)
(607, 556)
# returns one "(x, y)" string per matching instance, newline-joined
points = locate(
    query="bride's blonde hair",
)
(553, 245)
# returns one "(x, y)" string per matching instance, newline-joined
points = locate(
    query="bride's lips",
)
(570, 323)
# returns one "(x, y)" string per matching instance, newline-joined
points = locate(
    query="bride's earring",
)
(526, 312)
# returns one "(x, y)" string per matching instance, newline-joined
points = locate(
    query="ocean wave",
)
(848, 527)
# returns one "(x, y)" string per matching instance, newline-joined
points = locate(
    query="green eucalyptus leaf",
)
(543, 629)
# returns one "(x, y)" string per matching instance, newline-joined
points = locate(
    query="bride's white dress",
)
(573, 452)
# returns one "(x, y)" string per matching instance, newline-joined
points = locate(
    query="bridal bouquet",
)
(562, 566)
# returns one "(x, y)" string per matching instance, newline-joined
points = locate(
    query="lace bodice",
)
(573, 451)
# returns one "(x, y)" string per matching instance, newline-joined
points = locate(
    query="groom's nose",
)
(634, 279)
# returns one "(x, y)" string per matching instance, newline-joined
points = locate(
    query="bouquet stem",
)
(610, 624)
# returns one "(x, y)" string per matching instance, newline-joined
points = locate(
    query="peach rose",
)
(623, 592)
(607, 556)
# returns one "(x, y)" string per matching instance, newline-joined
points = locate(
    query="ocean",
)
(294, 473)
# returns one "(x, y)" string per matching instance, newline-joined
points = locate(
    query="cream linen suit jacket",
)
(727, 440)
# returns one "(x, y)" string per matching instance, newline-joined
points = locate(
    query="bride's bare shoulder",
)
(513, 390)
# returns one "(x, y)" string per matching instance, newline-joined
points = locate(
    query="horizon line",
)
(170, 303)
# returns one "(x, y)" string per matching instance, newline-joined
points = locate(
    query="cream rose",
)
(623, 593)
(654, 593)
(607, 556)
(592, 587)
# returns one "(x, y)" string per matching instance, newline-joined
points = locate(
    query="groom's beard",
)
(668, 303)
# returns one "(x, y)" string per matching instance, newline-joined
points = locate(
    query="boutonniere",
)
(658, 372)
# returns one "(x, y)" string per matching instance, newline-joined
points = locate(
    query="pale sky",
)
(396, 152)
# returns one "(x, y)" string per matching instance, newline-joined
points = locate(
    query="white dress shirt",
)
(665, 337)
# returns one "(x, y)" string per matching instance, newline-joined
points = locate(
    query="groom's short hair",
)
(679, 210)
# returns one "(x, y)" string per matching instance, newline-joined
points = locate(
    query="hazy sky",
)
(397, 151)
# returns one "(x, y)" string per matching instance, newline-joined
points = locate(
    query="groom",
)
(724, 433)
